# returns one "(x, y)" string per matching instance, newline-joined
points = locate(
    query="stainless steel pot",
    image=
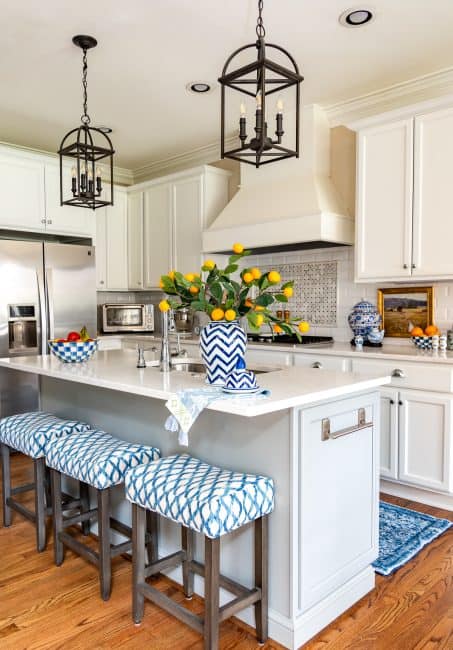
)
(183, 320)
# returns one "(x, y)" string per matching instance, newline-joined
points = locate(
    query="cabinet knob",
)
(392, 401)
(398, 373)
(49, 220)
(43, 221)
(316, 364)
(400, 402)
(102, 282)
(405, 266)
(413, 266)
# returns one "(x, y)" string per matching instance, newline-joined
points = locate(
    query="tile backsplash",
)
(326, 289)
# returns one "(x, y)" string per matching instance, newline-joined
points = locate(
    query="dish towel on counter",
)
(186, 405)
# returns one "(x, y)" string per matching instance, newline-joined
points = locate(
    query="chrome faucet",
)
(165, 361)
(141, 363)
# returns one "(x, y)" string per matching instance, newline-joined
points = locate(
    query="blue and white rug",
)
(402, 534)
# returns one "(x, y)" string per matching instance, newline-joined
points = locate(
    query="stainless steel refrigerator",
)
(46, 290)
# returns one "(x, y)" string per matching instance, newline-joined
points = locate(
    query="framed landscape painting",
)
(402, 306)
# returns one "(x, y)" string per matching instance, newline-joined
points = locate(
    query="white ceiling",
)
(149, 49)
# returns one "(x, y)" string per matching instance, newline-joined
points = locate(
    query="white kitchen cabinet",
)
(321, 362)
(158, 234)
(403, 212)
(111, 244)
(65, 219)
(384, 201)
(268, 357)
(389, 433)
(425, 440)
(176, 210)
(135, 240)
(433, 216)
(22, 192)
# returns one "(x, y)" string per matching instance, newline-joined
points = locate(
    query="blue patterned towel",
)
(186, 405)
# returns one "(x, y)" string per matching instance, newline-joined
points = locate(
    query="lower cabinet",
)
(416, 438)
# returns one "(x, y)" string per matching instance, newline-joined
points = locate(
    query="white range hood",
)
(288, 205)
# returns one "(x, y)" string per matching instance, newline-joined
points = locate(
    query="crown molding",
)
(201, 156)
(429, 86)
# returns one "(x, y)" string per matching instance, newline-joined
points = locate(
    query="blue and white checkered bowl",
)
(423, 342)
(73, 351)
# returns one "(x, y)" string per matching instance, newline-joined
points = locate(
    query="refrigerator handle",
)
(42, 311)
(49, 300)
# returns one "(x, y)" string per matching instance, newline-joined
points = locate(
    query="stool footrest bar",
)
(238, 604)
(118, 549)
(169, 605)
(22, 510)
(168, 562)
(228, 584)
(121, 528)
(79, 548)
(78, 519)
(22, 488)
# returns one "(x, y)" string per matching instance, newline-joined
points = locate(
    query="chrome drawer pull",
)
(398, 373)
(327, 434)
(316, 364)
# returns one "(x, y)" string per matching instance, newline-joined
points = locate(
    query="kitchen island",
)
(316, 435)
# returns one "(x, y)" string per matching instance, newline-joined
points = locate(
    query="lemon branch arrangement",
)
(214, 292)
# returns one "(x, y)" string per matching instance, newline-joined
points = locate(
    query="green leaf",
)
(217, 291)
(288, 284)
(231, 268)
(265, 299)
(280, 297)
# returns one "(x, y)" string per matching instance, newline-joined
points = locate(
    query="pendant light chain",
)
(260, 31)
(85, 119)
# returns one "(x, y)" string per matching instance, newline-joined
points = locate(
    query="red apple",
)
(73, 336)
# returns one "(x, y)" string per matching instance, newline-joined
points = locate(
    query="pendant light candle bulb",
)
(73, 172)
(259, 101)
(280, 105)
(243, 110)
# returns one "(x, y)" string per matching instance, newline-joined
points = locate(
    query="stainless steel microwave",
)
(128, 318)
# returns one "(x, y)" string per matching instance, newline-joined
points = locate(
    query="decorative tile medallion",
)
(315, 291)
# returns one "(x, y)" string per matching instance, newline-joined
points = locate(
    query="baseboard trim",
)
(417, 494)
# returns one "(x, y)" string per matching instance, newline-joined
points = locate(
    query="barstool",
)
(30, 434)
(95, 459)
(211, 501)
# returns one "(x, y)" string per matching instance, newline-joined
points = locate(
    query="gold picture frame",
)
(403, 305)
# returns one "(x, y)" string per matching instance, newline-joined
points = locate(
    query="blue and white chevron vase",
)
(221, 345)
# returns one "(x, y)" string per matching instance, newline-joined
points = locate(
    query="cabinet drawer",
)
(433, 377)
(322, 362)
(269, 357)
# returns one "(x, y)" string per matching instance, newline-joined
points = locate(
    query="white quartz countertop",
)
(116, 370)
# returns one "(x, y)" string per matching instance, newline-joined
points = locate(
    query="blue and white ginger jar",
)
(363, 318)
(222, 344)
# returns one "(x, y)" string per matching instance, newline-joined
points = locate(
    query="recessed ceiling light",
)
(356, 17)
(198, 87)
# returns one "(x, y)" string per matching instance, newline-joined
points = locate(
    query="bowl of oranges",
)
(423, 339)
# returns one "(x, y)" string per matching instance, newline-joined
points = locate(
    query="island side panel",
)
(256, 445)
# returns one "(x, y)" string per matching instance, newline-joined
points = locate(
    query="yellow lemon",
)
(288, 292)
(273, 277)
(247, 277)
(193, 289)
(164, 306)
(259, 320)
(303, 326)
(161, 284)
(277, 329)
(256, 273)
(238, 249)
(217, 314)
(230, 314)
(209, 264)
(171, 275)
(190, 277)
(259, 308)
(248, 303)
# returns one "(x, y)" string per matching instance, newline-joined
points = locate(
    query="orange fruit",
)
(171, 275)
(194, 289)
(273, 277)
(190, 277)
(417, 331)
(217, 314)
(431, 330)
(288, 292)
(230, 314)
(277, 329)
(259, 308)
(248, 303)
(256, 273)
(303, 326)
(238, 248)
(247, 277)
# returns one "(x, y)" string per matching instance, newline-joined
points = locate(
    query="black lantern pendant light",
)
(86, 146)
(260, 79)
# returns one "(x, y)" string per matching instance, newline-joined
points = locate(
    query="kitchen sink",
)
(194, 367)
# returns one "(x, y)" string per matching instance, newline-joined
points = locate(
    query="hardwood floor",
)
(43, 607)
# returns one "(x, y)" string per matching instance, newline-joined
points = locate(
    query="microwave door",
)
(124, 318)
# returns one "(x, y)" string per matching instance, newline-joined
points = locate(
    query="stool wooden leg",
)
(211, 593)
(57, 513)
(6, 484)
(187, 540)
(138, 561)
(85, 506)
(39, 467)
(105, 562)
(261, 577)
(153, 530)
(47, 487)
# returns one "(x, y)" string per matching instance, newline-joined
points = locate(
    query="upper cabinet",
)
(176, 210)
(111, 244)
(30, 191)
(135, 240)
(404, 216)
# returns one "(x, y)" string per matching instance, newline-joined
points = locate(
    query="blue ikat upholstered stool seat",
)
(98, 460)
(32, 434)
(211, 501)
